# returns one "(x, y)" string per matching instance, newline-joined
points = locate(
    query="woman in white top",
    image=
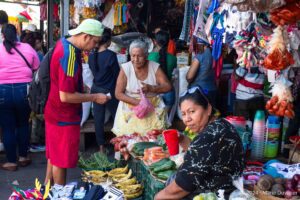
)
(135, 75)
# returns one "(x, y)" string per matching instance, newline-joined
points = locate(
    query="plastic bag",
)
(144, 108)
(240, 192)
(279, 57)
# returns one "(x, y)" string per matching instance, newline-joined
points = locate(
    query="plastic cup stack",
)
(258, 137)
(272, 137)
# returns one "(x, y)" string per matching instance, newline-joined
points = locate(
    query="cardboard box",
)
(182, 59)
(294, 158)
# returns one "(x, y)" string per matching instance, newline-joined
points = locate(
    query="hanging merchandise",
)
(256, 5)
(108, 21)
(89, 12)
(279, 57)
(294, 37)
(281, 102)
(188, 12)
(230, 23)
(214, 5)
(217, 31)
(43, 11)
(80, 4)
(120, 17)
(118, 13)
(180, 3)
(199, 26)
(288, 14)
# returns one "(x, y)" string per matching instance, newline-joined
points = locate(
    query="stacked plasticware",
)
(273, 137)
(258, 136)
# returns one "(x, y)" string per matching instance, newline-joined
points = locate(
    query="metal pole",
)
(64, 17)
(50, 41)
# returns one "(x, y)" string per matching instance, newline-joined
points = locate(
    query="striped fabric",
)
(71, 61)
(251, 84)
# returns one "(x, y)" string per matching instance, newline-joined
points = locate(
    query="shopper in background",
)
(35, 39)
(17, 61)
(171, 47)
(214, 157)
(105, 68)
(201, 72)
(63, 108)
(136, 75)
(249, 92)
(3, 20)
(30, 28)
(167, 63)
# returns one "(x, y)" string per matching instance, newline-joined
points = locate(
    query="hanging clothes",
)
(199, 31)
(118, 13)
(43, 11)
(188, 12)
(124, 14)
(217, 38)
(213, 6)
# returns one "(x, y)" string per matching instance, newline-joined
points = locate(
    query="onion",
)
(289, 185)
(297, 188)
(288, 194)
(296, 178)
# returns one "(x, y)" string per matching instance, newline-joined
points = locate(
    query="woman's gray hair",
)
(138, 43)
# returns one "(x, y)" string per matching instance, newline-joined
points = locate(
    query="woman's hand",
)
(146, 88)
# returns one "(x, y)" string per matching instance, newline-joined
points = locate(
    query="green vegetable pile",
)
(96, 161)
(161, 142)
(139, 147)
(163, 169)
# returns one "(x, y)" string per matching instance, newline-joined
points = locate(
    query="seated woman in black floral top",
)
(214, 157)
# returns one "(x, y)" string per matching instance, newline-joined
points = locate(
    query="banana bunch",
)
(118, 178)
(117, 171)
(94, 176)
(131, 191)
(123, 181)
(95, 173)
(131, 181)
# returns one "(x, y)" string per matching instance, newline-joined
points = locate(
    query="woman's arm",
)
(172, 191)
(120, 90)
(190, 76)
(163, 84)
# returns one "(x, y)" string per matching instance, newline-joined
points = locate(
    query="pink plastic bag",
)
(144, 108)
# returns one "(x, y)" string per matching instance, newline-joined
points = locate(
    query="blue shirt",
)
(205, 76)
(105, 68)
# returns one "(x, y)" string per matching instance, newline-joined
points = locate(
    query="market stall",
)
(265, 36)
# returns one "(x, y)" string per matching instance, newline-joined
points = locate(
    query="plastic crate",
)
(142, 173)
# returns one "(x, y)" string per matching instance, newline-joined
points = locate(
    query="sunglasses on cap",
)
(193, 90)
